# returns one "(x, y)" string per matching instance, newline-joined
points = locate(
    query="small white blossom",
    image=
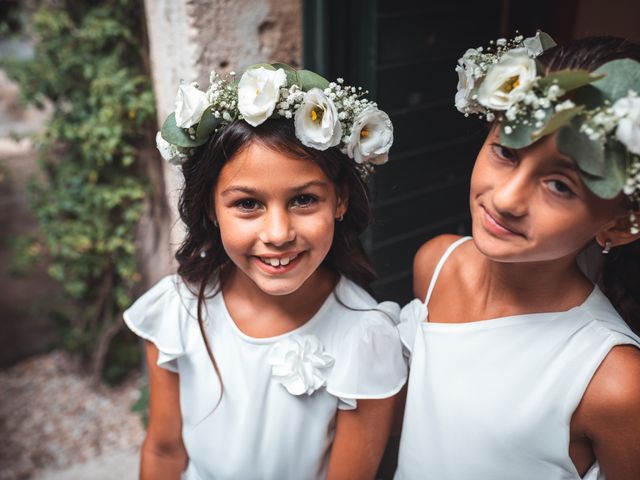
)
(628, 131)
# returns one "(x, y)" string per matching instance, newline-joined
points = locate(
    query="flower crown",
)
(325, 114)
(598, 124)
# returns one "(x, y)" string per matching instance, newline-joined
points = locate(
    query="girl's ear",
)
(343, 203)
(618, 231)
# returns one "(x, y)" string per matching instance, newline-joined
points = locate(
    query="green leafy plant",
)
(89, 64)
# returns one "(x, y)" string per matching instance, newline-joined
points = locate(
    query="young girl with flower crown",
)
(267, 357)
(521, 367)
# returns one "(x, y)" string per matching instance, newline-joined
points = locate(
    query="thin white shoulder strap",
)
(443, 259)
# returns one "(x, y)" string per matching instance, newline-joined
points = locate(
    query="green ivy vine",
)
(89, 63)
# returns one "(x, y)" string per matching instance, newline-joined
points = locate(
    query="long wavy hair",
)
(201, 255)
(619, 274)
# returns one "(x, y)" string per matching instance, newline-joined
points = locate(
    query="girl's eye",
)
(560, 188)
(504, 152)
(303, 201)
(248, 205)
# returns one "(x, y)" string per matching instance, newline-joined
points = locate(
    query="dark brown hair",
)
(619, 276)
(201, 255)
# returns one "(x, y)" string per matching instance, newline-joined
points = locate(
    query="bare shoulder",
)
(425, 261)
(609, 413)
(614, 390)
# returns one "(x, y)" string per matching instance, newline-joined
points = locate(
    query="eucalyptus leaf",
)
(309, 80)
(546, 41)
(176, 135)
(587, 153)
(521, 135)
(208, 123)
(618, 77)
(557, 121)
(568, 79)
(610, 185)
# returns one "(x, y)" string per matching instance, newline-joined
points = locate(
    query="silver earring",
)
(215, 223)
(203, 254)
(633, 220)
(340, 218)
(607, 247)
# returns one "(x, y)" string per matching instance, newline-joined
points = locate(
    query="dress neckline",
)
(508, 319)
(297, 330)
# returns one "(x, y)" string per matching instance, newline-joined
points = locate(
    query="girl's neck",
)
(260, 314)
(550, 285)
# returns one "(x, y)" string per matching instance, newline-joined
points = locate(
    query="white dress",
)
(493, 399)
(276, 417)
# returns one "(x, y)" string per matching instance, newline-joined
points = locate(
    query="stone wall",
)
(188, 39)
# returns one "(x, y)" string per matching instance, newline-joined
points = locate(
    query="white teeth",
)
(277, 262)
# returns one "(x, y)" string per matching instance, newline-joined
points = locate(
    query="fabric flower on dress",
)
(258, 93)
(191, 103)
(299, 363)
(316, 121)
(371, 137)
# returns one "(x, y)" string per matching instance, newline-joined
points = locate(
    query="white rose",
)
(371, 137)
(628, 131)
(316, 121)
(508, 81)
(190, 105)
(467, 70)
(170, 152)
(258, 92)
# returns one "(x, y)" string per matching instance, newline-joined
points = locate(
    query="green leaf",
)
(610, 185)
(308, 80)
(557, 121)
(521, 135)
(617, 78)
(568, 79)
(587, 153)
(546, 41)
(176, 135)
(208, 123)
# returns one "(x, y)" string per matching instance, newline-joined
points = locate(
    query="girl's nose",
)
(277, 228)
(512, 193)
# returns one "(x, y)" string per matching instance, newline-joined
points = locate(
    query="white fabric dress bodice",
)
(493, 399)
(260, 430)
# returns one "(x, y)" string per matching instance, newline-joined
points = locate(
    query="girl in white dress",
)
(521, 367)
(267, 357)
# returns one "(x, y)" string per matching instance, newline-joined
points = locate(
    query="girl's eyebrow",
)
(566, 164)
(252, 191)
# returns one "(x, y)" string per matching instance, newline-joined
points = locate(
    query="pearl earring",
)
(607, 247)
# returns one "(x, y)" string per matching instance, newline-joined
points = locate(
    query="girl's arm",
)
(163, 454)
(361, 437)
(609, 414)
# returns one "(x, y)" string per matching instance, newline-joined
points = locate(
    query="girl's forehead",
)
(259, 165)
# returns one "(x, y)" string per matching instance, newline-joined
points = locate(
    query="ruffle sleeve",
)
(158, 316)
(369, 362)
(411, 316)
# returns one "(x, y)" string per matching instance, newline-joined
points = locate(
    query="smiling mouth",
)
(278, 261)
(499, 226)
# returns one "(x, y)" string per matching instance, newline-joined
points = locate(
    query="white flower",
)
(316, 121)
(299, 364)
(371, 137)
(258, 92)
(170, 152)
(508, 81)
(190, 105)
(628, 131)
(468, 73)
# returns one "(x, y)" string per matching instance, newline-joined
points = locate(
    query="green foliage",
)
(141, 406)
(89, 63)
